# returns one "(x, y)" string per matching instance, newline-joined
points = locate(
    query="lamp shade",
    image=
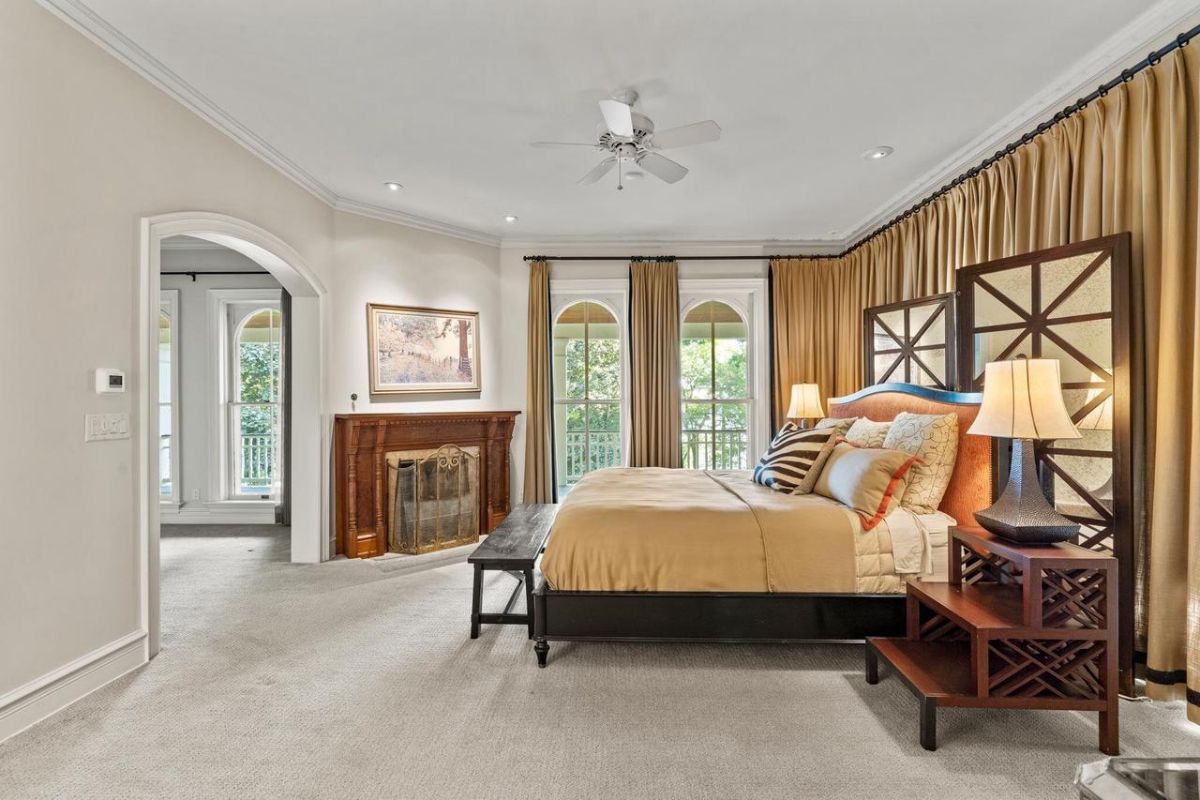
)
(1022, 399)
(806, 402)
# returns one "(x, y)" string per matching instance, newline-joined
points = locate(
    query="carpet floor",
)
(342, 680)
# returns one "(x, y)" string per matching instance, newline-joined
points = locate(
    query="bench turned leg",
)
(476, 601)
(929, 723)
(872, 665)
(541, 648)
(529, 599)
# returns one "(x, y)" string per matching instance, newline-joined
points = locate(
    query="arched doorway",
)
(308, 460)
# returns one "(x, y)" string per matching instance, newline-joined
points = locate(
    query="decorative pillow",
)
(867, 432)
(840, 424)
(794, 459)
(870, 481)
(933, 437)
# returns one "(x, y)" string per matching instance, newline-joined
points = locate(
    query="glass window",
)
(166, 411)
(715, 378)
(256, 364)
(587, 391)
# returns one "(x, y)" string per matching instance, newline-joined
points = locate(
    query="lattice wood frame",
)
(1114, 523)
(911, 358)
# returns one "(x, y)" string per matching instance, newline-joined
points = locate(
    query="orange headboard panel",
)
(971, 484)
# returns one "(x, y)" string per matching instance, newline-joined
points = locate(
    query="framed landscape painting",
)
(422, 349)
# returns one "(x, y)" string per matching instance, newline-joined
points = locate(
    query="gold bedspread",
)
(671, 530)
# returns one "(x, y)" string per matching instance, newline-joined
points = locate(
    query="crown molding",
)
(804, 247)
(1153, 29)
(384, 214)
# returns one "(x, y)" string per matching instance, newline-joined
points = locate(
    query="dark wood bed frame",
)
(722, 617)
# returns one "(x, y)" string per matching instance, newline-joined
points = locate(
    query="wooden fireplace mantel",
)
(361, 443)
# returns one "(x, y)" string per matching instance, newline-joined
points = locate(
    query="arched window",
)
(715, 383)
(256, 363)
(587, 391)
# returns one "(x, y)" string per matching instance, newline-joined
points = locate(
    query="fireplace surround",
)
(362, 444)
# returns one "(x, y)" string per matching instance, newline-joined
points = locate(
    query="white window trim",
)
(219, 301)
(169, 302)
(613, 294)
(748, 296)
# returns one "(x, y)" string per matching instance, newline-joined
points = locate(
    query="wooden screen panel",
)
(1070, 303)
(911, 342)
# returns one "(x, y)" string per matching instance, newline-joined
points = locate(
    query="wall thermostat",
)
(110, 381)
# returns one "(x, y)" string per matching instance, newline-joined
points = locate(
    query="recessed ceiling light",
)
(510, 218)
(393, 186)
(876, 153)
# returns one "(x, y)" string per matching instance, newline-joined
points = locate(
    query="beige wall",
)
(87, 149)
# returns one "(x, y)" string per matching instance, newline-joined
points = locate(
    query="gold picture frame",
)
(418, 350)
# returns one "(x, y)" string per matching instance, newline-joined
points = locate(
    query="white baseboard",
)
(42, 697)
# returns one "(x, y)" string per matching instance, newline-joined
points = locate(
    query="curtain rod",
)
(1152, 59)
(193, 273)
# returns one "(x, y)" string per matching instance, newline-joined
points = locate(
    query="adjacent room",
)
(600, 400)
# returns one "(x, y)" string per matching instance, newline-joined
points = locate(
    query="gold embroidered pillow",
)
(934, 438)
(867, 432)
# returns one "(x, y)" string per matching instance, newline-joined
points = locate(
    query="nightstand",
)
(1017, 626)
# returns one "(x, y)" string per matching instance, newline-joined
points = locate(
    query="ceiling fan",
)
(629, 138)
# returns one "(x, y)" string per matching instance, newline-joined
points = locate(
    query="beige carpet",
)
(344, 681)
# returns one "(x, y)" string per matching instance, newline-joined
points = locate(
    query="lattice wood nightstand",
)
(1017, 626)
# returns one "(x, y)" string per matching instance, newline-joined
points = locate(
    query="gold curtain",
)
(539, 416)
(654, 357)
(1127, 162)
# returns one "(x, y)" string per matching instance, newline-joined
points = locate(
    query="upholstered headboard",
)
(971, 483)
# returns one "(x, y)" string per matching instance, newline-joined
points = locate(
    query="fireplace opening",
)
(433, 498)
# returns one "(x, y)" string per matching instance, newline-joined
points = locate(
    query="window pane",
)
(604, 365)
(695, 365)
(164, 358)
(731, 379)
(259, 357)
(257, 426)
(165, 487)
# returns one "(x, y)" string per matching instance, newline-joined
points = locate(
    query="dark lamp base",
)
(1022, 514)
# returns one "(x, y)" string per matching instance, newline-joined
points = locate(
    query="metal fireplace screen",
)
(434, 498)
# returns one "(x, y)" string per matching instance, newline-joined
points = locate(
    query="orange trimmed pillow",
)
(870, 481)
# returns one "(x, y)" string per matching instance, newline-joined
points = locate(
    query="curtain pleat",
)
(654, 356)
(539, 453)
(1126, 162)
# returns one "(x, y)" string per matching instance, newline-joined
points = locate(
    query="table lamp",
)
(806, 402)
(1022, 401)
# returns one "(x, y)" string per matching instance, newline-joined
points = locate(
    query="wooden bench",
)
(514, 546)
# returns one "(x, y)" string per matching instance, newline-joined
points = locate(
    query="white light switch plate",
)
(102, 427)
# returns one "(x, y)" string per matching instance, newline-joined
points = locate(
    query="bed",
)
(681, 555)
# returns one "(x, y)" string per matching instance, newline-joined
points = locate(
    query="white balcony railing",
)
(256, 463)
(726, 449)
(589, 450)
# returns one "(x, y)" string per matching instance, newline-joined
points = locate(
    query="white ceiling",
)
(444, 97)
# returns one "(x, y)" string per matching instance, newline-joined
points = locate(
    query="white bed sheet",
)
(919, 542)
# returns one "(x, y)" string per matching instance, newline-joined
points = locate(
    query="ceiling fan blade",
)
(662, 167)
(685, 135)
(617, 117)
(562, 144)
(598, 171)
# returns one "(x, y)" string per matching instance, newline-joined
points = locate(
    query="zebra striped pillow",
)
(794, 459)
